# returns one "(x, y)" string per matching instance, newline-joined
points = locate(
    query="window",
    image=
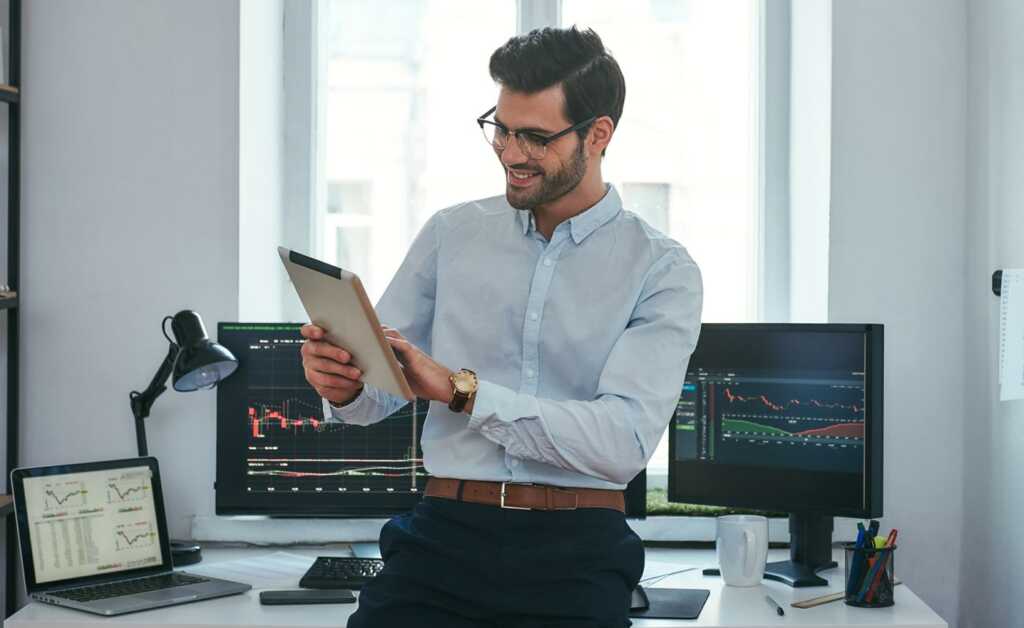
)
(397, 91)
(348, 225)
(400, 95)
(650, 201)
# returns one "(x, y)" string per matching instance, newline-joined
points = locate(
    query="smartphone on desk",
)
(307, 596)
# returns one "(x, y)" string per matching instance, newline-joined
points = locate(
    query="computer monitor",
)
(783, 417)
(276, 456)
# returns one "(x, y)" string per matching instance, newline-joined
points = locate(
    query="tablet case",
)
(670, 603)
(335, 300)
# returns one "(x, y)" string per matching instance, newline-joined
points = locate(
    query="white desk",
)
(727, 606)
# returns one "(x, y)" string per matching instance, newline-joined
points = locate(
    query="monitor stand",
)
(810, 551)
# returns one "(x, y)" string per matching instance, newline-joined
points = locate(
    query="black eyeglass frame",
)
(542, 140)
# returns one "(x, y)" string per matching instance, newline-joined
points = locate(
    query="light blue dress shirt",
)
(581, 343)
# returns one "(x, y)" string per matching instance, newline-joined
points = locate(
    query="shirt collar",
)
(583, 224)
(525, 218)
(589, 221)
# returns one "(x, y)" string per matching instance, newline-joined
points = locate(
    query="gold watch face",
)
(464, 382)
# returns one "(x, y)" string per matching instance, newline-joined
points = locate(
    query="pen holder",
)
(869, 576)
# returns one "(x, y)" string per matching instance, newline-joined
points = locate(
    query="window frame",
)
(305, 184)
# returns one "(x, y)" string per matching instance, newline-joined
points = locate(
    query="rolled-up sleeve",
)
(371, 405)
(613, 435)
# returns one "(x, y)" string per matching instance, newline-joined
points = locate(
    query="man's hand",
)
(427, 378)
(327, 368)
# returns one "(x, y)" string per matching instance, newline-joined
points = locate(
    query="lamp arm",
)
(142, 402)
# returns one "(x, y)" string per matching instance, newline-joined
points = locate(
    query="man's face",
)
(531, 182)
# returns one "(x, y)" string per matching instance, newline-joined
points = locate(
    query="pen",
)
(858, 559)
(873, 526)
(886, 557)
(775, 605)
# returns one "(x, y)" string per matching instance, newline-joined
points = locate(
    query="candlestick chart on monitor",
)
(277, 449)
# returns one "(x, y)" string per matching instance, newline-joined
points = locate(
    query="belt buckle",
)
(504, 493)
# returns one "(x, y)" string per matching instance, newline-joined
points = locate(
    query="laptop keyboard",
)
(127, 587)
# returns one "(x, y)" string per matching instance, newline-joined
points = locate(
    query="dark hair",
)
(590, 76)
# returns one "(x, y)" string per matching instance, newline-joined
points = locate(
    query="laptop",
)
(93, 537)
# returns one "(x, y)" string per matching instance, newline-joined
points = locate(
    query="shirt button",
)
(547, 262)
(529, 372)
(533, 316)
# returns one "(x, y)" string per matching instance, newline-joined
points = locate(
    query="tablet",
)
(335, 301)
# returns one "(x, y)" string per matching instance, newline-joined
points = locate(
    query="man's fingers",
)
(403, 350)
(326, 380)
(332, 367)
(391, 332)
(311, 332)
(399, 343)
(325, 350)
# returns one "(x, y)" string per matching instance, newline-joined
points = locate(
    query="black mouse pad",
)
(673, 603)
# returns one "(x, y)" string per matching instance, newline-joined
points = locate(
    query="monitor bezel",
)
(232, 500)
(869, 503)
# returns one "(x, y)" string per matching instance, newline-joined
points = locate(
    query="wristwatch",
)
(464, 385)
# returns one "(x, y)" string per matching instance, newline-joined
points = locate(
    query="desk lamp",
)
(196, 363)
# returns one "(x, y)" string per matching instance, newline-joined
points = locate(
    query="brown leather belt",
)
(525, 496)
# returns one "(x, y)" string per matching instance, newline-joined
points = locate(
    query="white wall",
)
(993, 432)
(897, 257)
(130, 212)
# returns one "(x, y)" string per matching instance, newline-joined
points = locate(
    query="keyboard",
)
(341, 572)
(127, 587)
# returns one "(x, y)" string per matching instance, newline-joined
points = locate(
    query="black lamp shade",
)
(202, 366)
(200, 363)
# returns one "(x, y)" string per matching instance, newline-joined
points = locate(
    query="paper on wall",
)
(1011, 336)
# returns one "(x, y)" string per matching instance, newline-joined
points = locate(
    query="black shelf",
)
(11, 94)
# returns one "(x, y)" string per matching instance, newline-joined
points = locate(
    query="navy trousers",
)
(457, 565)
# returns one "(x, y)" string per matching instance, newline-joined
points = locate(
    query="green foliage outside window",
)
(658, 505)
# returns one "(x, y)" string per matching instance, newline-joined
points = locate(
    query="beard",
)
(551, 186)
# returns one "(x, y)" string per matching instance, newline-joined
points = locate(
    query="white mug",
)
(741, 543)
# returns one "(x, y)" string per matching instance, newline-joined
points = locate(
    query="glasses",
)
(533, 145)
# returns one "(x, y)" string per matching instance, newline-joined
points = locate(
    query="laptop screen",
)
(90, 523)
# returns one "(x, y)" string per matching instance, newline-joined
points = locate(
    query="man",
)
(551, 331)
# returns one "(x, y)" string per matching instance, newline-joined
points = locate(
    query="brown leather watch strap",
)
(461, 399)
(458, 402)
(525, 496)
